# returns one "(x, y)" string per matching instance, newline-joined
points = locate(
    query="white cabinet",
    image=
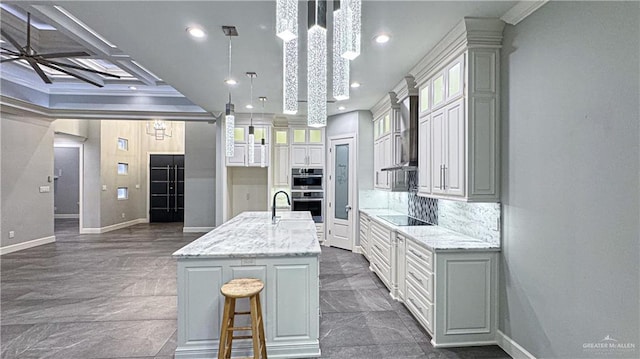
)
(448, 150)
(241, 146)
(281, 168)
(380, 251)
(462, 131)
(364, 234)
(401, 266)
(425, 156)
(381, 155)
(307, 148)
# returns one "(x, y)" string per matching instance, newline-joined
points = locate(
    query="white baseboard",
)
(62, 215)
(112, 227)
(197, 229)
(28, 244)
(357, 249)
(515, 350)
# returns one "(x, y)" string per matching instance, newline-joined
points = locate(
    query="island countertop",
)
(251, 234)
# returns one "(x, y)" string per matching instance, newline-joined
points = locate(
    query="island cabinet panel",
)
(204, 308)
(292, 312)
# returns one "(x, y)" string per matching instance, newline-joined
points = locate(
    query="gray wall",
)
(91, 183)
(27, 162)
(571, 179)
(200, 175)
(66, 191)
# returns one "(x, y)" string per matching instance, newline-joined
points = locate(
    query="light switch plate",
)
(137, 186)
(12, 234)
(45, 189)
(104, 187)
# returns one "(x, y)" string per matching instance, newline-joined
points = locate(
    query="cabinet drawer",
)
(421, 279)
(420, 255)
(420, 307)
(380, 268)
(379, 230)
(383, 249)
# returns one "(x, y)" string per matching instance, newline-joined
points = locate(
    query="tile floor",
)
(113, 295)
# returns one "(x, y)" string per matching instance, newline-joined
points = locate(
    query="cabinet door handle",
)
(416, 254)
(415, 277)
(444, 177)
(441, 177)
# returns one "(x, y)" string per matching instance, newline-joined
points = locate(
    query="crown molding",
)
(407, 87)
(386, 103)
(26, 109)
(521, 10)
(471, 32)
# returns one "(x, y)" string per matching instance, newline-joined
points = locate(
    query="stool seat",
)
(242, 288)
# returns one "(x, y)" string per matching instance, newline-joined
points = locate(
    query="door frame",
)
(80, 147)
(146, 183)
(330, 187)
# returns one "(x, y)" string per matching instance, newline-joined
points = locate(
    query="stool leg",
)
(261, 329)
(254, 327)
(232, 320)
(222, 348)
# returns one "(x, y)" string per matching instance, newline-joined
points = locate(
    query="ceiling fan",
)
(35, 59)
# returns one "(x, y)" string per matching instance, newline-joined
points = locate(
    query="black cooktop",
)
(401, 220)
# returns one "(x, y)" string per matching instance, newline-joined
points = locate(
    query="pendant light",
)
(317, 63)
(263, 146)
(340, 64)
(353, 14)
(230, 115)
(252, 139)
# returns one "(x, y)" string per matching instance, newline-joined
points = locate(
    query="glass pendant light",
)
(317, 64)
(287, 19)
(353, 14)
(252, 139)
(230, 115)
(340, 64)
(263, 146)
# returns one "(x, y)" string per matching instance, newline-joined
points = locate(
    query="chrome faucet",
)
(273, 208)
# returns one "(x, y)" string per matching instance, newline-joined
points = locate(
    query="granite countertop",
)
(251, 234)
(433, 237)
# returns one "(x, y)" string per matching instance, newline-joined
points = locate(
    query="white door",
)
(437, 150)
(316, 156)
(454, 155)
(298, 156)
(281, 173)
(340, 215)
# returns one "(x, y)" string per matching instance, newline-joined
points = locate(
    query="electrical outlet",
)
(122, 214)
(12, 234)
(104, 187)
(137, 186)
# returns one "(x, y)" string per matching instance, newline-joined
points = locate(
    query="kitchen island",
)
(283, 255)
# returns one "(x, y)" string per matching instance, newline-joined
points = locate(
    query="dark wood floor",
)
(113, 295)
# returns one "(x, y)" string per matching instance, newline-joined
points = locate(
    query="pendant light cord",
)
(251, 99)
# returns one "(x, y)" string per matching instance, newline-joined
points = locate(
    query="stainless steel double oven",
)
(307, 192)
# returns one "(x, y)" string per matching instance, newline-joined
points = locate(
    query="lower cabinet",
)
(320, 232)
(453, 294)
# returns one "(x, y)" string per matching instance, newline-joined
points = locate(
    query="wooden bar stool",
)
(242, 288)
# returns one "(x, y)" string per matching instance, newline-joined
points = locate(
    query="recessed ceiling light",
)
(249, 106)
(132, 88)
(230, 82)
(341, 108)
(382, 38)
(355, 85)
(196, 32)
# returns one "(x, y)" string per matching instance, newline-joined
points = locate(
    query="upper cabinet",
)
(307, 147)
(459, 127)
(241, 146)
(387, 144)
(280, 162)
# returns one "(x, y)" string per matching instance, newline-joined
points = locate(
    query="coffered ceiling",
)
(153, 33)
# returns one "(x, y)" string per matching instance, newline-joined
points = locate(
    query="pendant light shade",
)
(340, 64)
(317, 64)
(290, 77)
(353, 14)
(229, 118)
(252, 139)
(287, 19)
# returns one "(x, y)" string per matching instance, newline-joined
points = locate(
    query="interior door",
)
(341, 179)
(166, 188)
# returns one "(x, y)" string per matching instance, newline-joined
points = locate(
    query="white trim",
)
(113, 227)
(25, 245)
(350, 138)
(463, 344)
(521, 10)
(65, 216)
(357, 249)
(512, 348)
(197, 229)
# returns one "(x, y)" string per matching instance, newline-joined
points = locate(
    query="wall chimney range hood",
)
(407, 94)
